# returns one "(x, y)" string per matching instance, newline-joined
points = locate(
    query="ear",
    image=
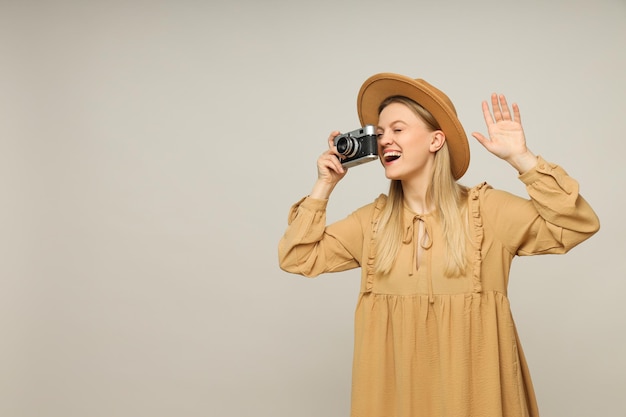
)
(438, 138)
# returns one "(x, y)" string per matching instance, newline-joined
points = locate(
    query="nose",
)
(385, 139)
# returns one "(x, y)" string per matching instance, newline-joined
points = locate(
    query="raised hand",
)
(506, 136)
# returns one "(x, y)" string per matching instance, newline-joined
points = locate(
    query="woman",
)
(434, 334)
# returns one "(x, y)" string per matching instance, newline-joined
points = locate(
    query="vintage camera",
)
(358, 146)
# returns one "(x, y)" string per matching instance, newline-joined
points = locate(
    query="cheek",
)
(418, 153)
(418, 146)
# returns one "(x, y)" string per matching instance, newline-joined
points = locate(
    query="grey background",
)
(150, 151)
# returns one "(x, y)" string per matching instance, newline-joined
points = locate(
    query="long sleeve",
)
(555, 218)
(310, 248)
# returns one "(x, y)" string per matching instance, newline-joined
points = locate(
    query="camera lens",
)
(347, 146)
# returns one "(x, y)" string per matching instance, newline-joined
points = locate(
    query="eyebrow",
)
(393, 123)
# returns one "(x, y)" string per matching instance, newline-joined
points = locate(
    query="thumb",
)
(481, 138)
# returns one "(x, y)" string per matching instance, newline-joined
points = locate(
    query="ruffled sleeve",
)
(555, 218)
(310, 248)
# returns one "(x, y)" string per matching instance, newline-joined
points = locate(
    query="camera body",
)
(358, 146)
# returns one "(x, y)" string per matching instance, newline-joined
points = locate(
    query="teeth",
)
(391, 155)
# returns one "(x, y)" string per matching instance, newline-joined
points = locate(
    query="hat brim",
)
(381, 86)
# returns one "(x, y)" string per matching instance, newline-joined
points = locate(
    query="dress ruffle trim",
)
(477, 234)
(378, 206)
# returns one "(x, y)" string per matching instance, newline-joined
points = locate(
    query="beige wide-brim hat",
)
(379, 87)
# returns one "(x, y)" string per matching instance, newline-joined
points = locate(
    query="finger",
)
(482, 139)
(331, 138)
(331, 161)
(335, 165)
(497, 113)
(516, 114)
(506, 114)
(326, 168)
(487, 114)
(336, 160)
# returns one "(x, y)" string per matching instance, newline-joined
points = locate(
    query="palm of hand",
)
(506, 135)
(506, 138)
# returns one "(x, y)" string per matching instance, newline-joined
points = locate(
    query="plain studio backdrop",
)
(150, 151)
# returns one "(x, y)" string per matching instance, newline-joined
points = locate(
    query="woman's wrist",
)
(524, 162)
(322, 190)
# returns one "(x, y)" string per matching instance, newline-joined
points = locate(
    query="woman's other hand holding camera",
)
(329, 170)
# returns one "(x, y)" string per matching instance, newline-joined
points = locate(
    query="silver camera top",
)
(367, 130)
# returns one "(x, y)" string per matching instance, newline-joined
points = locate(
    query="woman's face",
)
(406, 145)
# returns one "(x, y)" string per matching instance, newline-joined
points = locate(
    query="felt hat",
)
(379, 87)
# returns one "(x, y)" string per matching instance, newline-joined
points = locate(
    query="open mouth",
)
(391, 156)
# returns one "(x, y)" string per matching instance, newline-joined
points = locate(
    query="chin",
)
(391, 175)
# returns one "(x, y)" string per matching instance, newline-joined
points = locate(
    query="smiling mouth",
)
(391, 156)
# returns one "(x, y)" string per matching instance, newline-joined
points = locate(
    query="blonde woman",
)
(434, 335)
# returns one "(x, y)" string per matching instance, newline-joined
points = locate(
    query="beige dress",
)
(429, 345)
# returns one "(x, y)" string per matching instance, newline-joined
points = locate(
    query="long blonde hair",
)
(448, 196)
